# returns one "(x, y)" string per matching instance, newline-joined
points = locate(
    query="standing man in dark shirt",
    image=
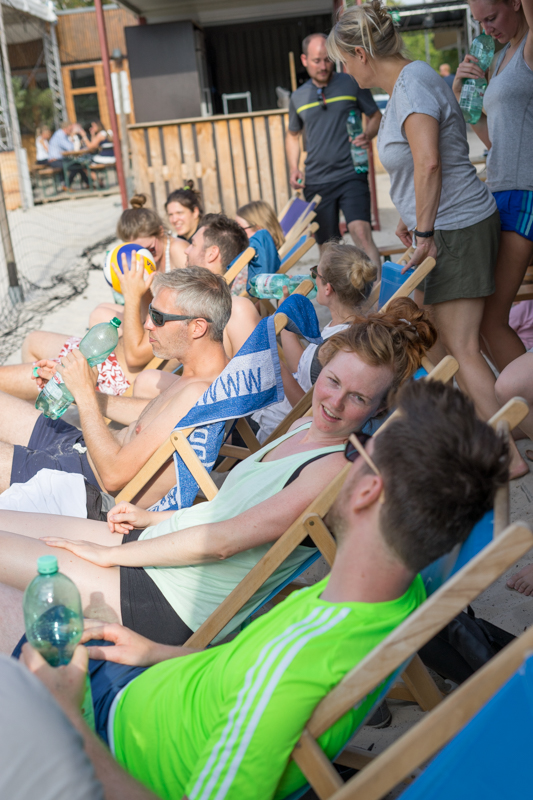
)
(321, 106)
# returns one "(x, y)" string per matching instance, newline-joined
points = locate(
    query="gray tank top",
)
(508, 104)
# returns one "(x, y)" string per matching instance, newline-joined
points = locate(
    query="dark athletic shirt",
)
(328, 148)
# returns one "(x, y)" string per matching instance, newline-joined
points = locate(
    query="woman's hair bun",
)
(362, 273)
(189, 185)
(412, 322)
(138, 200)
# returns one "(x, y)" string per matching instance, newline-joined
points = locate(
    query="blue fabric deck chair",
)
(485, 727)
(295, 212)
(309, 523)
(250, 381)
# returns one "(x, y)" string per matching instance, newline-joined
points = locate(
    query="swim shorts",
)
(516, 212)
(111, 378)
(53, 444)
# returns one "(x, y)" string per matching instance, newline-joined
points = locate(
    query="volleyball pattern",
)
(115, 257)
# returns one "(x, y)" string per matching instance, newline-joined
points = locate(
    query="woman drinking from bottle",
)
(506, 129)
(446, 211)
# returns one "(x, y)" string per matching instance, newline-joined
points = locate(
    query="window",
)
(87, 109)
(82, 78)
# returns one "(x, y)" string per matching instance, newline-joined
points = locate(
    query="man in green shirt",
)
(219, 723)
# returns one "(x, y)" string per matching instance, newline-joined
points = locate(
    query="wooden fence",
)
(232, 159)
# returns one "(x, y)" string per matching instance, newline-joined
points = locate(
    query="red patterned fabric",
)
(111, 378)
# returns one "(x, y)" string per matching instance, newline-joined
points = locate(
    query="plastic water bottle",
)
(53, 619)
(471, 100)
(97, 344)
(270, 287)
(354, 126)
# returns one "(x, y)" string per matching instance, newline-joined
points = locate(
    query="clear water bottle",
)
(354, 126)
(97, 344)
(53, 619)
(473, 91)
(270, 287)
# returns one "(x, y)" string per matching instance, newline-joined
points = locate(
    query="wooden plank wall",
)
(232, 159)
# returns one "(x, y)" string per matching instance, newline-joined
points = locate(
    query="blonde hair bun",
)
(138, 201)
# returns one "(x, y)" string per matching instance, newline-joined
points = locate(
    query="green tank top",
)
(195, 592)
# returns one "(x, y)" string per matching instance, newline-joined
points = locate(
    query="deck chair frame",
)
(309, 523)
(306, 217)
(408, 286)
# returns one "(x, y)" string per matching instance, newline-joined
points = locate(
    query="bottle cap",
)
(47, 565)
(116, 322)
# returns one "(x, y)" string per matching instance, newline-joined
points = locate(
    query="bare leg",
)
(41, 344)
(502, 342)
(151, 382)
(20, 548)
(17, 420)
(458, 324)
(105, 313)
(516, 380)
(361, 233)
(16, 379)
(11, 618)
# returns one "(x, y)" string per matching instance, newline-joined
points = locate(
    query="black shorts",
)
(351, 196)
(144, 607)
(53, 444)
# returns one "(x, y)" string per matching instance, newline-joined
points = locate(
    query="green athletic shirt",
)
(220, 723)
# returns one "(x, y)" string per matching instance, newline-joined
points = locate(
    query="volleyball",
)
(114, 257)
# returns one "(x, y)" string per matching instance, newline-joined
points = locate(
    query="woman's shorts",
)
(144, 607)
(516, 212)
(466, 259)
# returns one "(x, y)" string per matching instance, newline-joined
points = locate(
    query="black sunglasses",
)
(350, 451)
(315, 274)
(322, 97)
(159, 319)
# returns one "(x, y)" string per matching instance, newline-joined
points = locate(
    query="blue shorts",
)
(51, 446)
(107, 679)
(516, 212)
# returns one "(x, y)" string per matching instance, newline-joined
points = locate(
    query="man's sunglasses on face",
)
(322, 97)
(159, 319)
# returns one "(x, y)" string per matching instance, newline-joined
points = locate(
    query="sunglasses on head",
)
(322, 97)
(159, 318)
(355, 447)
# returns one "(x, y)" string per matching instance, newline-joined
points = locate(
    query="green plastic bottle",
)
(354, 126)
(53, 619)
(270, 287)
(97, 344)
(473, 91)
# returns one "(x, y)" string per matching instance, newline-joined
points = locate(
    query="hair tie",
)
(185, 188)
(394, 15)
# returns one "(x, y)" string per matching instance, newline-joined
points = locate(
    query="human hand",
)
(123, 517)
(67, 683)
(43, 371)
(130, 648)
(468, 68)
(425, 248)
(97, 554)
(132, 281)
(80, 379)
(296, 179)
(404, 234)
(361, 141)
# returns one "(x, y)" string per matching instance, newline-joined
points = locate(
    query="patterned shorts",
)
(111, 378)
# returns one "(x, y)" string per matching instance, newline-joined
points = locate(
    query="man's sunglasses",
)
(159, 319)
(355, 447)
(322, 97)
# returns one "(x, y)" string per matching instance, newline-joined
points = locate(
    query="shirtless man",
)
(109, 459)
(210, 248)
(133, 351)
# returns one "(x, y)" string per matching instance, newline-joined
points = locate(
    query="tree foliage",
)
(34, 106)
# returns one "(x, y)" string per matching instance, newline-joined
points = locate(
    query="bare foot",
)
(523, 581)
(518, 467)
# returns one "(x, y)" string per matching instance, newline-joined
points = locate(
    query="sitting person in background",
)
(99, 142)
(521, 321)
(215, 245)
(141, 226)
(266, 237)
(344, 279)
(61, 144)
(43, 135)
(184, 209)
(170, 726)
(189, 312)
(193, 558)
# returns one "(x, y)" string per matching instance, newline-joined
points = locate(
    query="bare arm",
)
(292, 147)
(291, 387)
(292, 349)
(422, 133)
(216, 541)
(371, 130)
(469, 69)
(137, 297)
(242, 323)
(527, 7)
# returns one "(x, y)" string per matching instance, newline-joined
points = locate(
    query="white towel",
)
(48, 492)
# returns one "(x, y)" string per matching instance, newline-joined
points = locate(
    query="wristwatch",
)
(423, 234)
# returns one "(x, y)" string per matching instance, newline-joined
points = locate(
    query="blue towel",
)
(251, 380)
(266, 259)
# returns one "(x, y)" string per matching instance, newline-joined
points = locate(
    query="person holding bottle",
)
(321, 107)
(446, 211)
(506, 129)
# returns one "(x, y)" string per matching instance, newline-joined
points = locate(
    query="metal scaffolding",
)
(6, 138)
(53, 71)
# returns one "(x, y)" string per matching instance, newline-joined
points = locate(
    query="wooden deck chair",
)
(407, 287)
(297, 214)
(488, 758)
(309, 523)
(387, 658)
(301, 247)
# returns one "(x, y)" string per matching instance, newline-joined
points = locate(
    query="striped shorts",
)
(516, 212)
